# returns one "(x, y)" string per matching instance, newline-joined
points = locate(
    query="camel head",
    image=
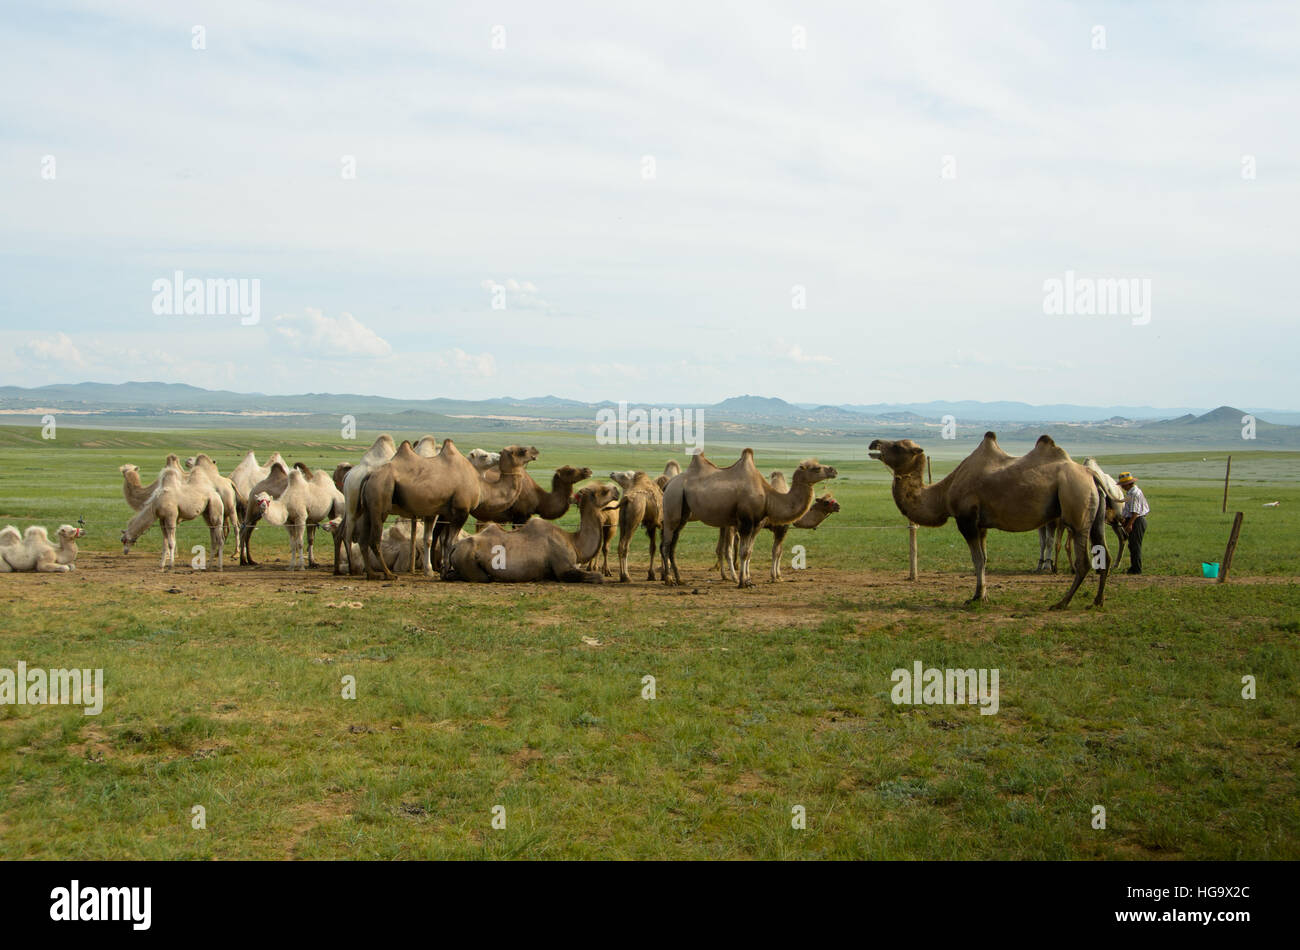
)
(568, 475)
(827, 503)
(482, 459)
(812, 471)
(68, 532)
(600, 495)
(128, 468)
(263, 501)
(333, 525)
(625, 479)
(127, 541)
(515, 457)
(904, 457)
(340, 473)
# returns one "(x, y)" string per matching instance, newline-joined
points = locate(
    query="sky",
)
(829, 203)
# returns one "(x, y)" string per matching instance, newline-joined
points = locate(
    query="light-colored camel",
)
(640, 507)
(202, 466)
(275, 482)
(538, 551)
(482, 459)
(179, 499)
(1051, 534)
(309, 499)
(246, 475)
(133, 490)
(733, 497)
(671, 471)
(991, 489)
(443, 489)
(33, 551)
(380, 451)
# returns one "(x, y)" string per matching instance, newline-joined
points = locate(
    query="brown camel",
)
(538, 551)
(822, 508)
(608, 525)
(991, 489)
(550, 505)
(641, 507)
(733, 497)
(443, 489)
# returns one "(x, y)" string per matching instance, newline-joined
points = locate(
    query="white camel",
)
(34, 552)
(178, 499)
(305, 503)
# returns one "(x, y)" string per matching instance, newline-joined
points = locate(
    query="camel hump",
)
(1046, 441)
(278, 467)
(990, 436)
(405, 450)
(37, 533)
(302, 467)
(296, 477)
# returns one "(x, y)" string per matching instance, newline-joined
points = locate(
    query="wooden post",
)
(1226, 475)
(911, 552)
(928, 479)
(1232, 547)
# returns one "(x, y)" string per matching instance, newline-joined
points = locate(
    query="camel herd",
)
(432, 490)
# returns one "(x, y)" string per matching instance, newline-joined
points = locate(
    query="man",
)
(1134, 515)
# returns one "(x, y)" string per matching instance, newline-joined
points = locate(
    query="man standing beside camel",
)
(1134, 513)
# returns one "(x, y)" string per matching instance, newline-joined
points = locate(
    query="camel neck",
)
(922, 504)
(586, 540)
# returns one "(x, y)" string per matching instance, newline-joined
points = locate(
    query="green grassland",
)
(224, 690)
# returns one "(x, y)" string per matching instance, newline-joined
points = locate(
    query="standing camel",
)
(178, 499)
(991, 489)
(733, 497)
(641, 506)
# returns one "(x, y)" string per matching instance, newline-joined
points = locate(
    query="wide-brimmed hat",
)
(1126, 478)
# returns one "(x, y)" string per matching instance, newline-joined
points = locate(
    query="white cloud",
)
(467, 364)
(794, 352)
(56, 349)
(518, 294)
(322, 337)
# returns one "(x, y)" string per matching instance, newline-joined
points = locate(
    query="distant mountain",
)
(177, 405)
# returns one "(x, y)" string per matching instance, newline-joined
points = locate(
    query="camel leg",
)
(1079, 557)
(723, 553)
(624, 542)
(169, 543)
(340, 535)
(969, 528)
(1044, 545)
(1056, 550)
(216, 535)
(668, 555)
(778, 545)
(651, 532)
(747, 532)
(454, 525)
(311, 546)
(370, 549)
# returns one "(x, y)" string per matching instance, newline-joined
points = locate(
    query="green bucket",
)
(1210, 570)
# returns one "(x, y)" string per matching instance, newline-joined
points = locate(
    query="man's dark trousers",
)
(1135, 544)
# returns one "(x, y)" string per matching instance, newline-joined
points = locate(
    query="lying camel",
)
(991, 489)
(33, 551)
(179, 499)
(538, 551)
(309, 499)
(394, 547)
(640, 507)
(275, 482)
(733, 497)
(822, 508)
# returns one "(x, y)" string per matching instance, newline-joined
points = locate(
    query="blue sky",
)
(775, 167)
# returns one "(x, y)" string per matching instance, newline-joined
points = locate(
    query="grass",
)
(225, 690)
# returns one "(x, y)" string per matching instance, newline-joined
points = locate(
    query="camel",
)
(540, 550)
(482, 459)
(32, 551)
(640, 507)
(445, 489)
(202, 466)
(550, 505)
(380, 451)
(275, 482)
(179, 499)
(135, 493)
(671, 471)
(991, 489)
(394, 547)
(308, 499)
(608, 525)
(1051, 534)
(500, 488)
(822, 508)
(733, 497)
(247, 474)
